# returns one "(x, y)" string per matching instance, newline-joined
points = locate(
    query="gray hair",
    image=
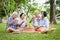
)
(36, 11)
(15, 13)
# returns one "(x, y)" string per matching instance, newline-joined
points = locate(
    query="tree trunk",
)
(52, 12)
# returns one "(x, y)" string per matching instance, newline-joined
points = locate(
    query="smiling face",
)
(36, 14)
(42, 13)
(15, 15)
(22, 15)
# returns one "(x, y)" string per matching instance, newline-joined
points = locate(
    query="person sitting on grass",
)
(22, 23)
(44, 23)
(36, 20)
(12, 22)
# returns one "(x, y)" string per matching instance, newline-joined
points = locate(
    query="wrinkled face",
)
(42, 13)
(15, 15)
(23, 16)
(36, 14)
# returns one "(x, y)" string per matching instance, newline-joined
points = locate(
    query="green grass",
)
(29, 36)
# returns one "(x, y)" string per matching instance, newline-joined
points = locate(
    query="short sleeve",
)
(9, 19)
(19, 21)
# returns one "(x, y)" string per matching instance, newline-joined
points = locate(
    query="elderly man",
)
(36, 20)
(12, 23)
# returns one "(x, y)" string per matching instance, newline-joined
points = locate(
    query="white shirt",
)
(36, 21)
(44, 22)
(20, 21)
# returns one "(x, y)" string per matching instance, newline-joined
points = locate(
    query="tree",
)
(8, 6)
(58, 2)
(52, 12)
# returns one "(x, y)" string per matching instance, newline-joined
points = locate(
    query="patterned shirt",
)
(13, 25)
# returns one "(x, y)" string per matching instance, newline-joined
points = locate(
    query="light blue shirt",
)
(13, 25)
(36, 22)
(41, 22)
(44, 22)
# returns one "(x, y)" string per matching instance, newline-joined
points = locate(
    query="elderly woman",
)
(12, 22)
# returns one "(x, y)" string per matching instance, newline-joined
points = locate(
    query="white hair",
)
(15, 13)
(36, 11)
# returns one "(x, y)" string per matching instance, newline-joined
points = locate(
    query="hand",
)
(15, 19)
(33, 16)
(23, 21)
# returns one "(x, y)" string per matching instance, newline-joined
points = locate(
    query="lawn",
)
(30, 36)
